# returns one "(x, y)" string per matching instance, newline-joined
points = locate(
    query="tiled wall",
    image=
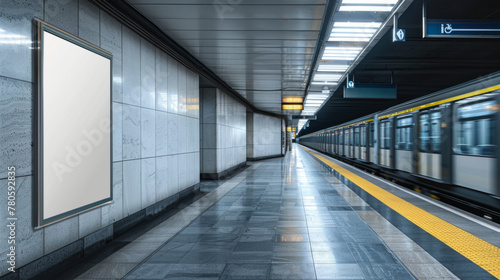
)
(264, 135)
(155, 122)
(223, 132)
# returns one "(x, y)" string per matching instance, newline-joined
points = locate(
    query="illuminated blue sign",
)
(399, 35)
(453, 28)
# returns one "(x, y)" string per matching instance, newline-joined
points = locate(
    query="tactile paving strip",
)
(482, 253)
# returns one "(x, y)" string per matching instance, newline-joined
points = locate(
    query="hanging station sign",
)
(456, 28)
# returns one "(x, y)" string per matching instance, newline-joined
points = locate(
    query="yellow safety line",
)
(482, 253)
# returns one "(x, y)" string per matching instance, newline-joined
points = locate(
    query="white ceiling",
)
(261, 48)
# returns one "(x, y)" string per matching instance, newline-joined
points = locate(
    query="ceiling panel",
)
(262, 49)
(204, 2)
(253, 56)
(251, 50)
(242, 35)
(239, 24)
(248, 43)
(250, 62)
(242, 11)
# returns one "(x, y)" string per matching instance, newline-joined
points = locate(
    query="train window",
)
(363, 136)
(341, 137)
(404, 134)
(475, 130)
(356, 136)
(372, 134)
(347, 133)
(385, 135)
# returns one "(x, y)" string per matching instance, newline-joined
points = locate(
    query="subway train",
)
(445, 141)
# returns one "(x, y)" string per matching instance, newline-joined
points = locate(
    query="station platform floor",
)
(305, 216)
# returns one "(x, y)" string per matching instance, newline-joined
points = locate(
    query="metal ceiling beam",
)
(324, 31)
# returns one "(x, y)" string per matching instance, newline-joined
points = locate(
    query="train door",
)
(404, 143)
(349, 138)
(332, 140)
(325, 142)
(371, 141)
(474, 143)
(385, 142)
(328, 145)
(356, 144)
(363, 137)
(429, 152)
(341, 142)
(322, 142)
(351, 142)
(335, 141)
(347, 144)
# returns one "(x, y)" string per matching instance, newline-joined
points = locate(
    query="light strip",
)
(348, 39)
(356, 24)
(325, 83)
(342, 50)
(373, 2)
(334, 57)
(316, 96)
(313, 102)
(354, 30)
(357, 35)
(333, 68)
(355, 8)
(326, 77)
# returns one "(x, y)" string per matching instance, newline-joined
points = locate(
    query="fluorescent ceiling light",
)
(316, 103)
(348, 39)
(342, 50)
(316, 96)
(324, 83)
(340, 53)
(333, 57)
(312, 102)
(327, 77)
(358, 35)
(356, 24)
(333, 68)
(373, 2)
(12, 36)
(366, 8)
(354, 30)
